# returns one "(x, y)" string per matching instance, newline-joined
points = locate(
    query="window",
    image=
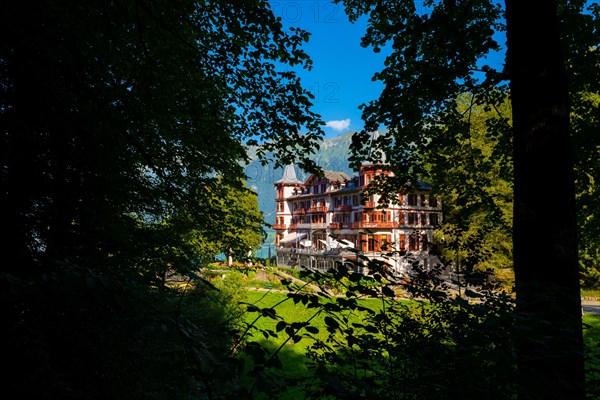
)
(401, 218)
(424, 242)
(373, 244)
(433, 201)
(363, 242)
(402, 242)
(412, 199)
(384, 242)
(412, 219)
(413, 242)
(433, 219)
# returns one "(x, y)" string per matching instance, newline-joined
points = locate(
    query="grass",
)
(590, 293)
(293, 357)
(292, 354)
(591, 338)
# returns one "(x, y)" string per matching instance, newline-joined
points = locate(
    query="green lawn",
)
(292, 354)
(591, 338)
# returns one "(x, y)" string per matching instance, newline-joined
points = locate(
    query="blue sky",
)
(342, 69)
(341, 76)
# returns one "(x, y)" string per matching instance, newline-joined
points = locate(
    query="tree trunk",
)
(549, 327)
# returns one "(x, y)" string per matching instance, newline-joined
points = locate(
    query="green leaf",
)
(280, 326)
(331, 323)
(312, 329)
(387, 291)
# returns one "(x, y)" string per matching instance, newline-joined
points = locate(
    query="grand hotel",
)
(325, 221)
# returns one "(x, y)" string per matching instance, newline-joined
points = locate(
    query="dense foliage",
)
(443, 97)
(124, 132)
(385, 337)
(473, 178)
(441, 346)
(438, 59)
(127, 112)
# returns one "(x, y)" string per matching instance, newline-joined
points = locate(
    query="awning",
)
(306, 243)
(292, 237)
(324, 242)
(346, 243)
(343, 243)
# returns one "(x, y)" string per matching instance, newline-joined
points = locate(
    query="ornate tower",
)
(284, 187)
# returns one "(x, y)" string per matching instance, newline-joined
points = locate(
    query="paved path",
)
(590, 307)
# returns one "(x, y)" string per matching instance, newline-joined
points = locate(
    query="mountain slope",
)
(331, 155)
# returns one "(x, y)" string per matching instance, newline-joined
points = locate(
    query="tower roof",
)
(374, 137)
(289, 175)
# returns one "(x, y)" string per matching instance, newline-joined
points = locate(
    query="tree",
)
(474, 181)
(437, 54)
(240, 229)
(545, 249)
(587, 169)
(437, 346)
(124, 124)
(580, 35)
(113, 111)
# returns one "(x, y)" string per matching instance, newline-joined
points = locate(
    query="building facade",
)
(324, 221)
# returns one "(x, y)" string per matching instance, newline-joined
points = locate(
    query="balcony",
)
(344, 208)
(343, 225)
(369, 204)
(311, 226)
(317, 210)
(314, 252)
(300, 211)
(376, 225)
(279, 226)
(363, 225)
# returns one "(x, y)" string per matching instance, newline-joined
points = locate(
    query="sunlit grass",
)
(292, 354)
(591, 338)
(293, 357)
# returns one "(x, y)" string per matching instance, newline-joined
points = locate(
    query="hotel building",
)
(323, 221)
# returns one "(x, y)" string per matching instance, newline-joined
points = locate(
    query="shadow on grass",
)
(286, 383)
(591, 339)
